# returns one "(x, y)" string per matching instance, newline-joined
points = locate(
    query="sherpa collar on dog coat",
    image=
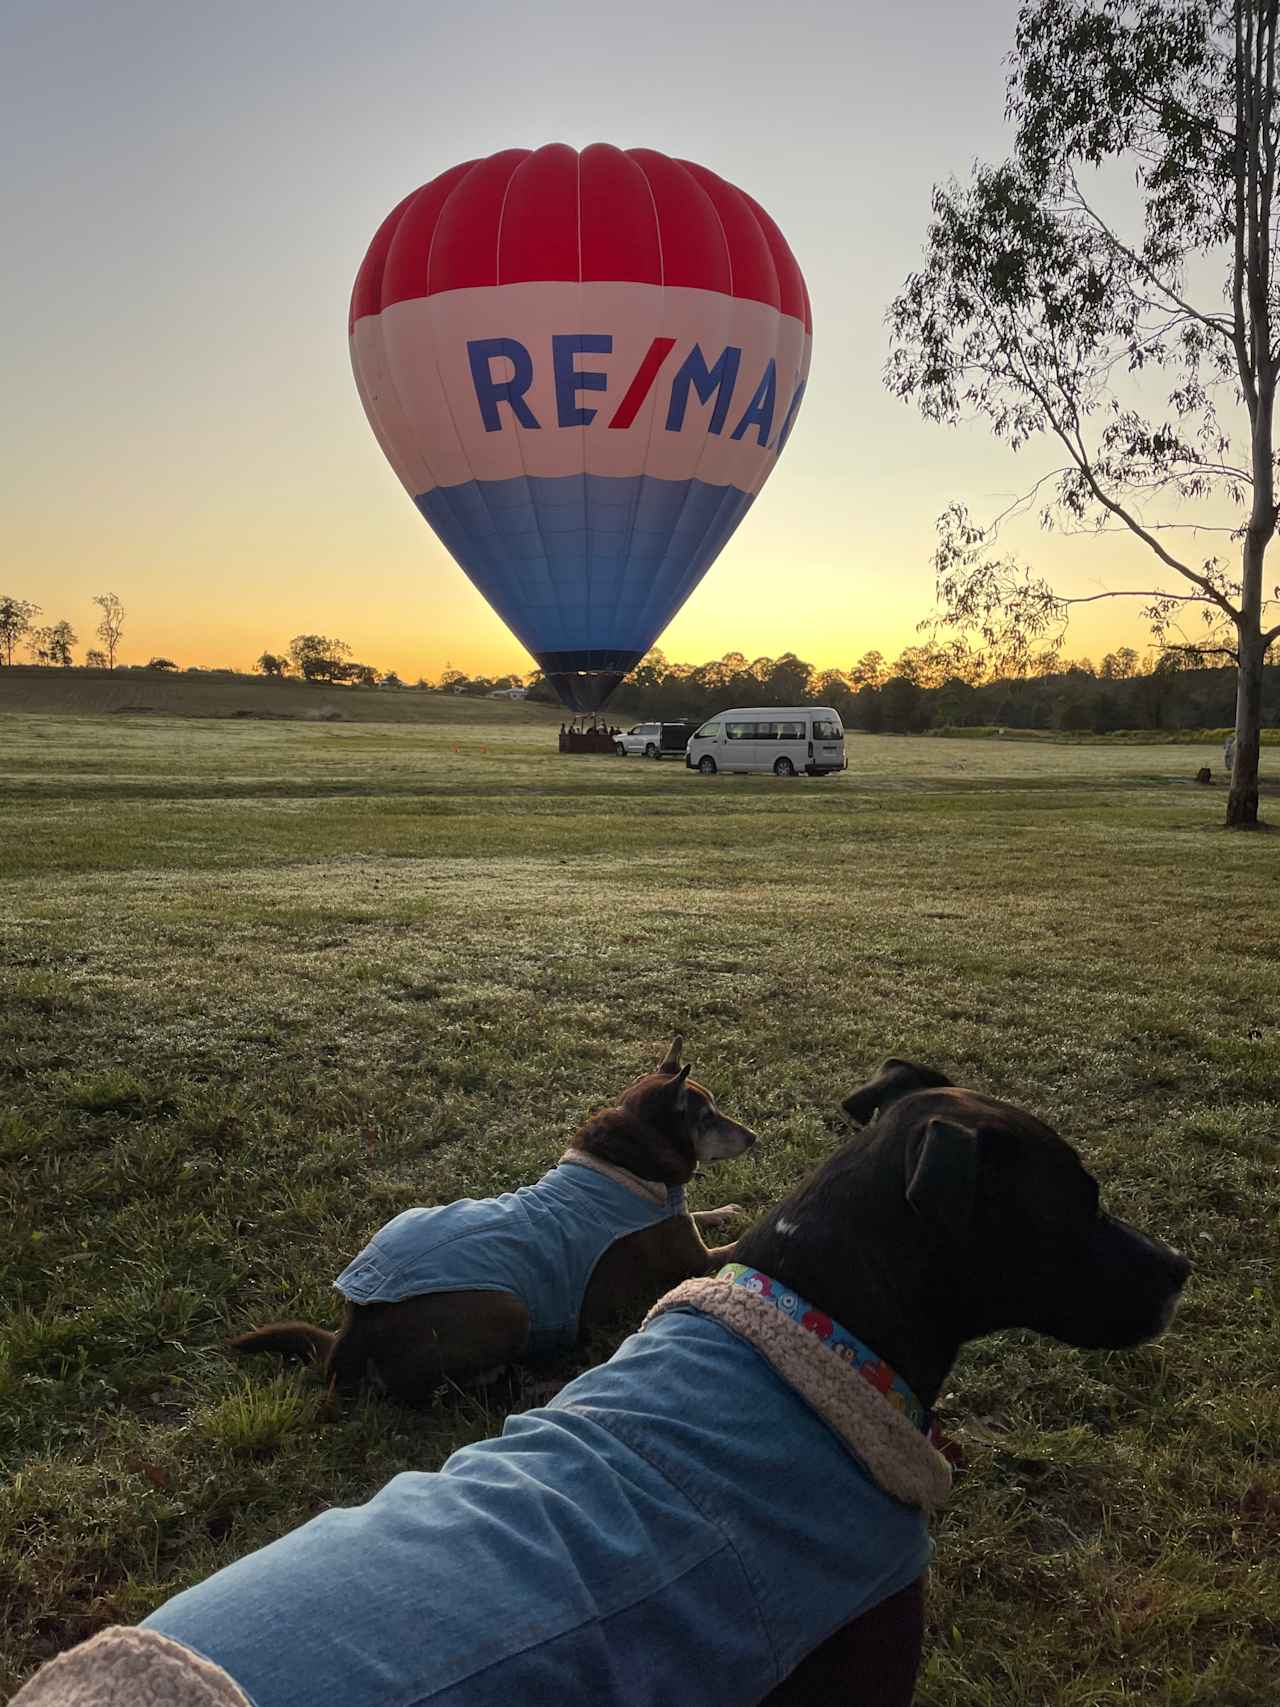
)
(869, 1364)
(541, 1242)
(121, 1667)
(829, 1367)
(682, 1524)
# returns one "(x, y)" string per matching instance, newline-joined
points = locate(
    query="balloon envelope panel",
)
(583, 369)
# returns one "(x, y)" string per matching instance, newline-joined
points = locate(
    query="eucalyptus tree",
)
(111, 628)
(1140, 343)
(53, 645)
(16, 619)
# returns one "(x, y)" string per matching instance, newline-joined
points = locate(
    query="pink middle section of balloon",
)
(433, 405)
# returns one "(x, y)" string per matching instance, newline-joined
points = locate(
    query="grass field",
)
(263, 984)
(162, 693)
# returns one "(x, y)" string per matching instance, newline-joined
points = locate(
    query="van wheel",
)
(650, 751)
(784, 767)
(707, 765)
(619, 749)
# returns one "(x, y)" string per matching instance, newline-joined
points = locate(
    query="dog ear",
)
(670, 1062)
(895, 1079)
(676, 1093)
(943, 1185)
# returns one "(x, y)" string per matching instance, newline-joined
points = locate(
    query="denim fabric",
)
(541, 1242)
(676, 1529)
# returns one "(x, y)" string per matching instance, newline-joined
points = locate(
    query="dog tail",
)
(288, 1339)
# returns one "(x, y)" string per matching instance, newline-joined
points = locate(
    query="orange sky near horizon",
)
(192, 190)
(417, 614)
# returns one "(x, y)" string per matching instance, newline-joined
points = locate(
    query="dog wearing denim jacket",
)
(729, 1512)
(460, 1291)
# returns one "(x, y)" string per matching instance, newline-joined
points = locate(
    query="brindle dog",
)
(661, 1128)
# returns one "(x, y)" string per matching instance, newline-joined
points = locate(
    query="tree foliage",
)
(16, 619)
(111, 627)
(917, 693)
(319, 657)
(53, 645)
(1039, 310)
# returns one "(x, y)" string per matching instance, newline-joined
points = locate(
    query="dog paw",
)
(720, 1217)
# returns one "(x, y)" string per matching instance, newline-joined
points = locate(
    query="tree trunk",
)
(1242, 802)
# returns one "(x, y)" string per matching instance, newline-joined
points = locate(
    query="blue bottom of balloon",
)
(585, 563)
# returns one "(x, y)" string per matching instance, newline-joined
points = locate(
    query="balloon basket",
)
(597, 740)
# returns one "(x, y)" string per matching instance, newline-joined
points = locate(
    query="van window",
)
(790, 731)
(767, 731)
(739, 731)
(708, 732)
(826, 729)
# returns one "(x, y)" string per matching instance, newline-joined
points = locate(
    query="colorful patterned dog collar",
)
(873, 1369)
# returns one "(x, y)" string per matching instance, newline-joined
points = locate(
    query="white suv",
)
(645, 738)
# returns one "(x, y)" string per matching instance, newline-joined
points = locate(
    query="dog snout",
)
(1180, 1267)
(1177, 1268)
(1169, 1263)
(726, 1138)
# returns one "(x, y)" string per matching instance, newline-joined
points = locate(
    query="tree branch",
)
(1213, 322)
(1074, 442)
(1155, 527)
(1129, 593)
(1202, 651)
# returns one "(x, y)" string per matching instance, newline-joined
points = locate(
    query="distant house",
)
(508, 693)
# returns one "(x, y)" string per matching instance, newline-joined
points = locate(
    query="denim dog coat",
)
(541, 1243)
(679, 1525)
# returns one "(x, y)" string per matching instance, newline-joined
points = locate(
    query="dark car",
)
(654, 740)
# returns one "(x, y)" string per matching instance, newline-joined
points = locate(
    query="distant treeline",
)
(924, 688)
(915, 693)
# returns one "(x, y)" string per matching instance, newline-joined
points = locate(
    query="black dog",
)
(949, 1217)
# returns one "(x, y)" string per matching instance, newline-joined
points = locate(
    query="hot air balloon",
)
(583, 367)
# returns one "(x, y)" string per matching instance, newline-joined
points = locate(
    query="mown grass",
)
(1269, 737)
(45, 691)
(263, 985)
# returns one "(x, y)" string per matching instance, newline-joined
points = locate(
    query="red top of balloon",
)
(606, 213)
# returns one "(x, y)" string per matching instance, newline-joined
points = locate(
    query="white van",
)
(783, 739)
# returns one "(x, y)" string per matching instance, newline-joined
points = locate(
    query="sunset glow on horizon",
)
(191, 193)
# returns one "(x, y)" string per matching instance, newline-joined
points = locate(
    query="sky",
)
(190, 189)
